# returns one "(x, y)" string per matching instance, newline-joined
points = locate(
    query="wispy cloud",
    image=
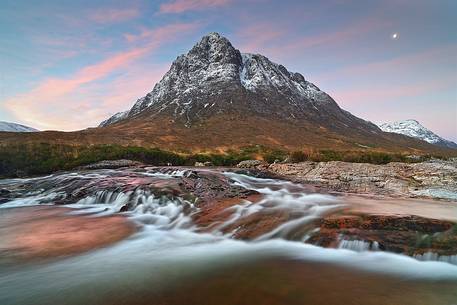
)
(113, 15)
(154, 34)
(283, 40)
(180, 6)
(58, 102)
(255, 37)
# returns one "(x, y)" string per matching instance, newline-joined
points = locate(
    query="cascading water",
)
(169, 239)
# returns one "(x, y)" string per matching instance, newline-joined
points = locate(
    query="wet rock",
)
(5, 195)
(4, 192)
(254, 172)
(46, 232)
(209, 186)
(409, 235)
(102, 186)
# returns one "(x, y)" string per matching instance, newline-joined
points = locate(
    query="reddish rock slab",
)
(46, 232)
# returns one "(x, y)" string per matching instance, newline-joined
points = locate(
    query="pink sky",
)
(82, 63)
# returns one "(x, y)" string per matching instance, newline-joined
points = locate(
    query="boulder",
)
(251, 164)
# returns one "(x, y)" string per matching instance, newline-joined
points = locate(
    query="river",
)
(169, 258)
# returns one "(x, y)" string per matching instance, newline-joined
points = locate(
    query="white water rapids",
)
(170, 246)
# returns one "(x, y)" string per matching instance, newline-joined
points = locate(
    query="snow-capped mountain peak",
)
(414, 129)
(214, 79)
(13, 127)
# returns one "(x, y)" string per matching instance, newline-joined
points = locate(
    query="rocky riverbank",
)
(433, 179)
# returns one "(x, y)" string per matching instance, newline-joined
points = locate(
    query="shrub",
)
(298, 156)
(274, 155)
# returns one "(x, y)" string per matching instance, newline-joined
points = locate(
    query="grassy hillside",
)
(19, 160)
(222, 133)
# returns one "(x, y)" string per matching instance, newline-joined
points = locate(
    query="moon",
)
(395, 36)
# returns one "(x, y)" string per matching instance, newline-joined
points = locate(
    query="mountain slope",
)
(414, 129)
(13, 127)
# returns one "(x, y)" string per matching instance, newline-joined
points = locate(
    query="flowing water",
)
(171, 260)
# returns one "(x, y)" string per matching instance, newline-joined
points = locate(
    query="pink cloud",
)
(61, 103)
(179, 6)
(100, 102)
(114, 15)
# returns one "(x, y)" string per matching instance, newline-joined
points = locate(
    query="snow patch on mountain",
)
(13, 127)
(414, 129)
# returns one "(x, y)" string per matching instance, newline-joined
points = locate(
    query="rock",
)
(251, 164)
(200, 164)
(196, 186)
(4, 192)
(255, 172)
(43, 232)
(434, 179)
(410, 235)
(5, 195)
(415, 158)
(112, 164)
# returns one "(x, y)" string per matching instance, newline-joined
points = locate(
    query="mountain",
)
(413, 128)
(215, 98)
(215, 79)
(115, 118)
(13, 127)
(217, 87)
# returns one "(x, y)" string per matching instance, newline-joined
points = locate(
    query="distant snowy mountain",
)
(414, 129)
(115, 118)
(13, 127)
